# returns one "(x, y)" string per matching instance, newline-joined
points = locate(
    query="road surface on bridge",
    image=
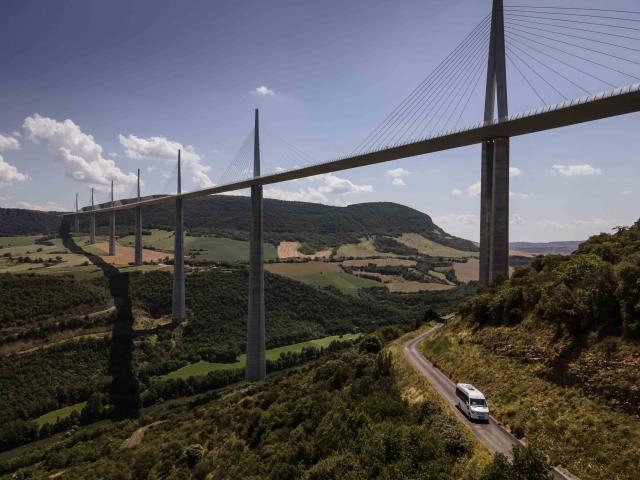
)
(492, 435)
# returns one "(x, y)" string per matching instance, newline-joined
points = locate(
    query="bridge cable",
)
(553, 70)
(604, 17)
(459, 85)
(520, 22)
(536, 72)
(418, 104)
(572, 8)
(435, 99)
(424, 84)
(609, 54)
(580, 22)
(238, 164)
(456, 68)
(559, 60)
(526, 79)
(521, 37)
(467, 64)
(537, 29)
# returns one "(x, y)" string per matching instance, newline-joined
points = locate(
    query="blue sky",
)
(92, 90)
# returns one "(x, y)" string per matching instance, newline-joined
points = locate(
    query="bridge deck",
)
(595, 107)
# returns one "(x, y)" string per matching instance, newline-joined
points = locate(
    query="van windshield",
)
(477, 402)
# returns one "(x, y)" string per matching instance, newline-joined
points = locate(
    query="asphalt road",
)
(493, 436)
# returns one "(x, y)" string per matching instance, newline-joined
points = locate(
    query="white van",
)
(471, 402)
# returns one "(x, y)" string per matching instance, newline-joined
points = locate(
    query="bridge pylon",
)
(112, 227)
(494, 199)
(178, 304)
(138, 230)
(256, 368)
(92, 223)
(76, 223)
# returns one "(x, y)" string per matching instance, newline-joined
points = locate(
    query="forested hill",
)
(17, 221)
(311, 223)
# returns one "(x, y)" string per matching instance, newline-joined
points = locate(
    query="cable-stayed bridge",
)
(581, 64)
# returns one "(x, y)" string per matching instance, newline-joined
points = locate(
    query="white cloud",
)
(455, 219)
(516, 219)
(280, 169)
(8, 202)
(165, 150)
(16, 134)
(625, 193)
(262, 90)
(302, 195)
(81, 155)
(10, 174)
(474, 190)
(515, 172)
(340, 186)
(456, 192)
(522, 196)
(398, 172)
(575, 170)
(329, 184)
(8, 143)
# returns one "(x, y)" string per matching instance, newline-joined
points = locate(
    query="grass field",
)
(363, 249)
(322, 274)
(213, 248)
(55, 415)
(429, 247)
(202, 367)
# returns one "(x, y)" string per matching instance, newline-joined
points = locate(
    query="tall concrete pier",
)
(178, 310)
(256, 368)
(138, 229)
(92, 222)
(76, 223)
(112, 227)
(494, 200)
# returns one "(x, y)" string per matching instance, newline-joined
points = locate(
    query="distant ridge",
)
(225, 215)
(547, 248)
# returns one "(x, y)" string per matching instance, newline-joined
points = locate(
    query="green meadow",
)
(203, 367)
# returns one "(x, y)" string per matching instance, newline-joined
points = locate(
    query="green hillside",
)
(131, 351)
(557, 350)
(315, 225)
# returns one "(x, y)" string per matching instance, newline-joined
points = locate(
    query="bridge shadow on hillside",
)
(124, 391)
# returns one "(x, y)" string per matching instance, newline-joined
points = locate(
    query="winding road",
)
(492, 435)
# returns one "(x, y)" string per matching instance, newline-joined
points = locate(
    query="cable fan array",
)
(564, 52)
(440, 100)
(559, 52)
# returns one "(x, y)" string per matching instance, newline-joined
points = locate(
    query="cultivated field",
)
(292, 250)
(201, 248)
(468, 271)
(429, 247)
(363, 249)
